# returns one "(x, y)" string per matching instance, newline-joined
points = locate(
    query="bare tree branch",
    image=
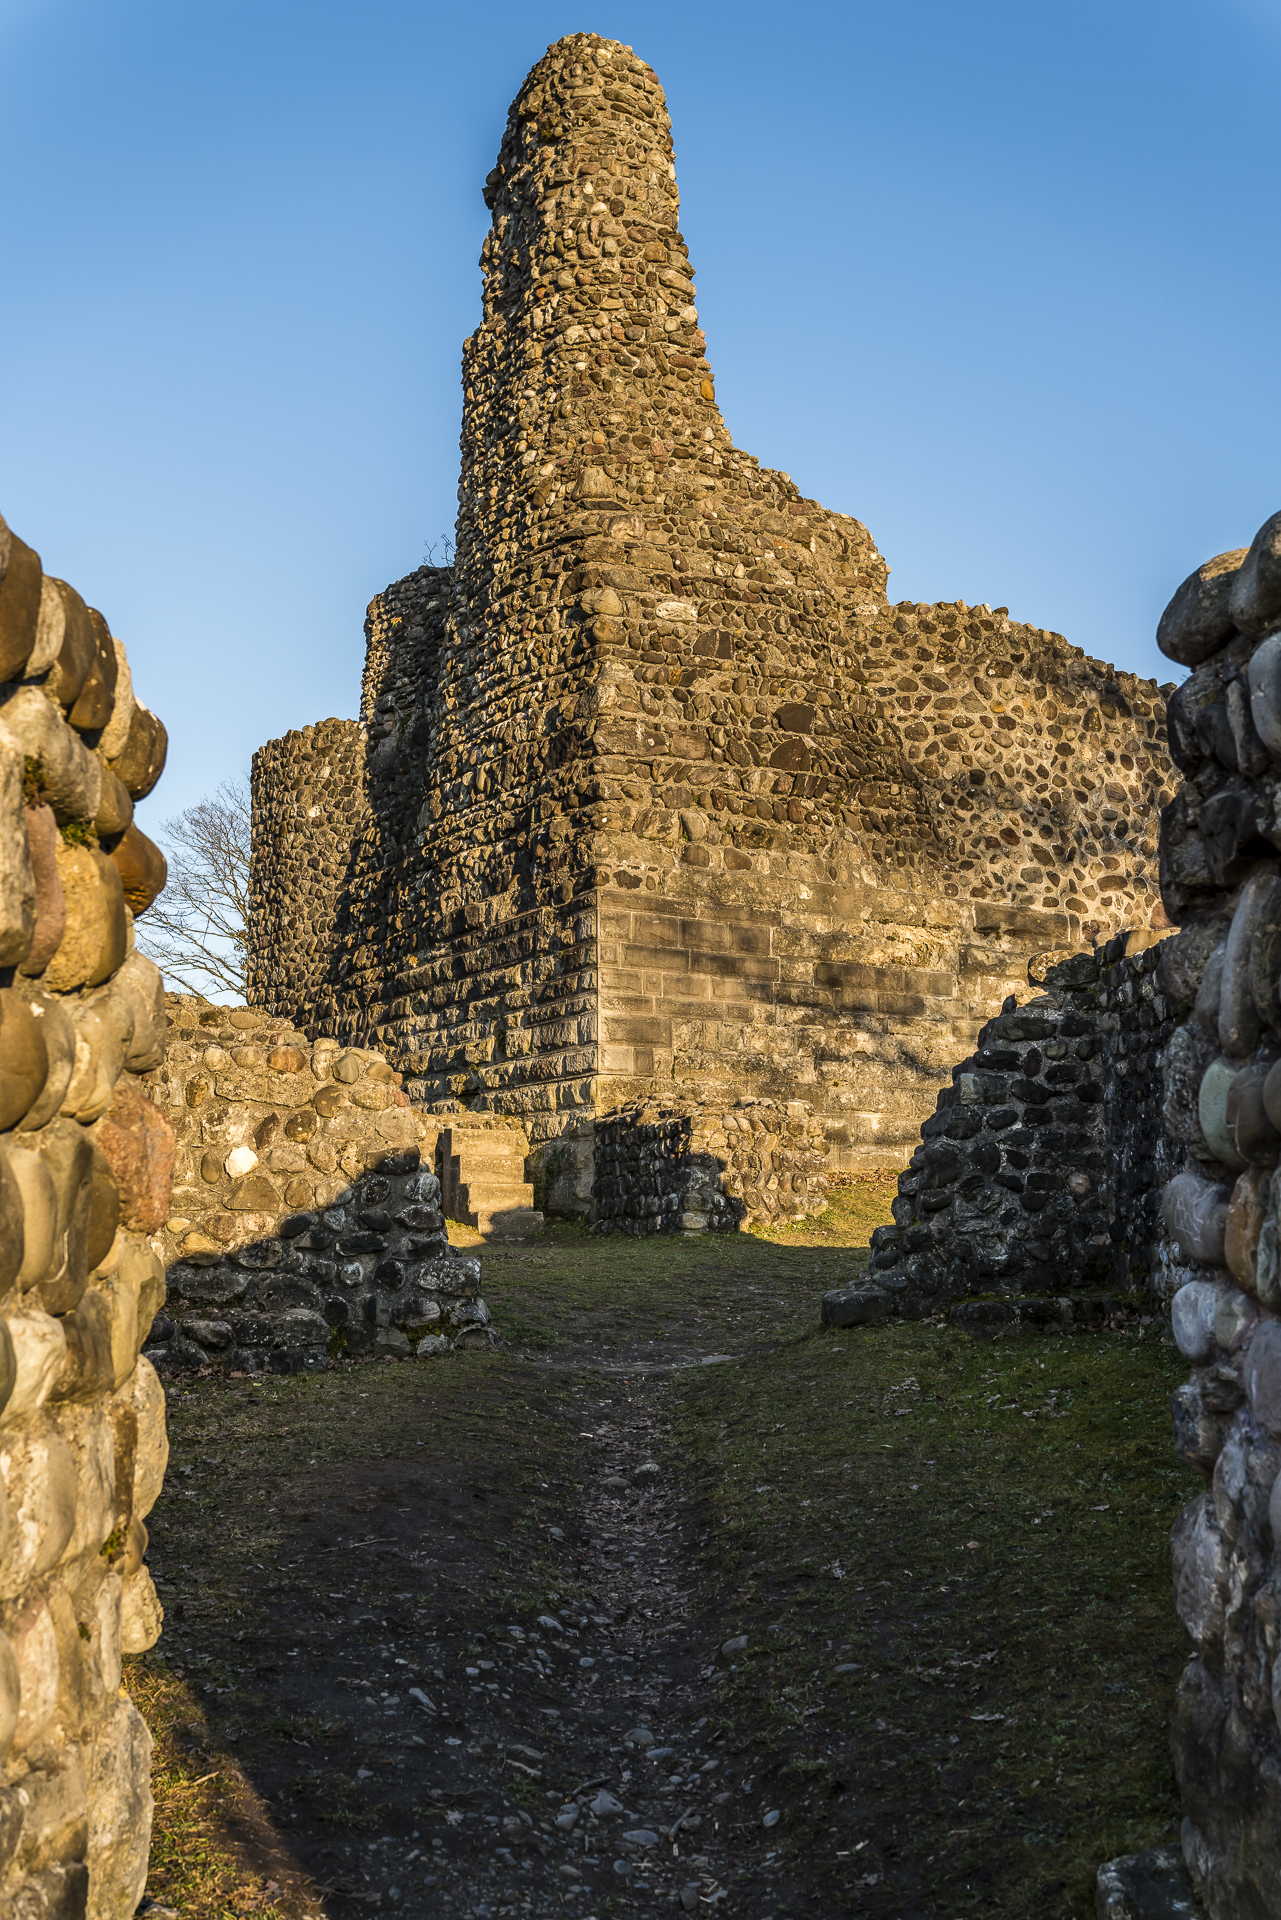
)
(195, 932)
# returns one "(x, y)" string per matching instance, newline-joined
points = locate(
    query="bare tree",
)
(195, 932)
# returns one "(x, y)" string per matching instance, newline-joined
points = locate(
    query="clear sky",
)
(1002, 279)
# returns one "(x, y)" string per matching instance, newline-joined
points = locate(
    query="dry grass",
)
(215, 1852)
(858, 1203)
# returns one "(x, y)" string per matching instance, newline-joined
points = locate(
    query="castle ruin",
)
(654, 795)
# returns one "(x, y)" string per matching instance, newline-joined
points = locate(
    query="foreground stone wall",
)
(661, 799)
(695, 1167)
(85, 1164)
(305, 1223)
(1221, 871)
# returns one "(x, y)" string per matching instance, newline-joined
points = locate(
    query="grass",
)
(857, 1203)
(213, 1845)
(976, 1531)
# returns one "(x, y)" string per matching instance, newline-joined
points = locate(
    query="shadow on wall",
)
(701, 1166)
(305, 1221)
(322, 1288)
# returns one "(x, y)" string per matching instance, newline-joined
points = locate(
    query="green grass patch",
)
(976, 1532)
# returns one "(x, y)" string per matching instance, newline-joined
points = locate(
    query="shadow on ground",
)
(876, 1622)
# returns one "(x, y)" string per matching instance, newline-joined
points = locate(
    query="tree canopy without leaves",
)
(195, 932)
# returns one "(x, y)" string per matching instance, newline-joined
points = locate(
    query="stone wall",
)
(85, 1165)
(695, 1166)
(305, 1223)
(1039, 1175)
(660, 795)
(308, 810)
(1221, 870)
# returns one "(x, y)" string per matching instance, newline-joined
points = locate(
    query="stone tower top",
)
(588, 377)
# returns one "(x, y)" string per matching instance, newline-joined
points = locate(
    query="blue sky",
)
(1000, 279)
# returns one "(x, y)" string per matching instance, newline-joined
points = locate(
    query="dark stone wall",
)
(1139, 1021)
(309, 812)
(1040, 1171)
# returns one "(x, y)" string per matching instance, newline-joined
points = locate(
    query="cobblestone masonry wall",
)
(85, 1164)
(1221, 875)
(1039, 1175)
(690, 1167)
(305, 1219)
(660, 796)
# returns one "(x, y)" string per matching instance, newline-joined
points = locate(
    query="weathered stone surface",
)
(141, 867)
(20, 586)
(1146, 1886)
(696, 1166)
(290, 1245)
(138, 1144)
(50, 914)
(82, 1444)
(1256, 588)
(1194, 1211)
(70, 776)
(1192, 1315)
(60, 1052)
(24, 1058)
(1219, 864)
(1247, 1210)
(95, 942)
(17, 882)
(141, 760)
(858, 1306)
(1199, 618)
(1041, 1172)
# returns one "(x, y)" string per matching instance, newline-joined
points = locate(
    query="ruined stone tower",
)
(653, 792)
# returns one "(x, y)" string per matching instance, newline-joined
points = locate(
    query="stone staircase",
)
(482, 1179)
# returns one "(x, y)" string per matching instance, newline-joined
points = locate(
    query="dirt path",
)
(506, 1760)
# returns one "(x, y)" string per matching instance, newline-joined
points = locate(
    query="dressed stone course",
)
(85, 1164)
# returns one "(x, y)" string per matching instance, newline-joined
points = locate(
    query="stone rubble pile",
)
(305, 1223)
(669, 1167)
(85, 1162)
(1221, 875)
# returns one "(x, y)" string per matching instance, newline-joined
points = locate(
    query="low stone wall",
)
(84, 1183)
(305, 1223)
(1040, 1172)
(667, 1168)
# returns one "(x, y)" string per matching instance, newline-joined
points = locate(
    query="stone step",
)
(483, 1180)
(488, 1149)
(491, 1192)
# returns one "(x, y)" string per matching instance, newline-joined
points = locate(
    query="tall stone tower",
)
(653, 790)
